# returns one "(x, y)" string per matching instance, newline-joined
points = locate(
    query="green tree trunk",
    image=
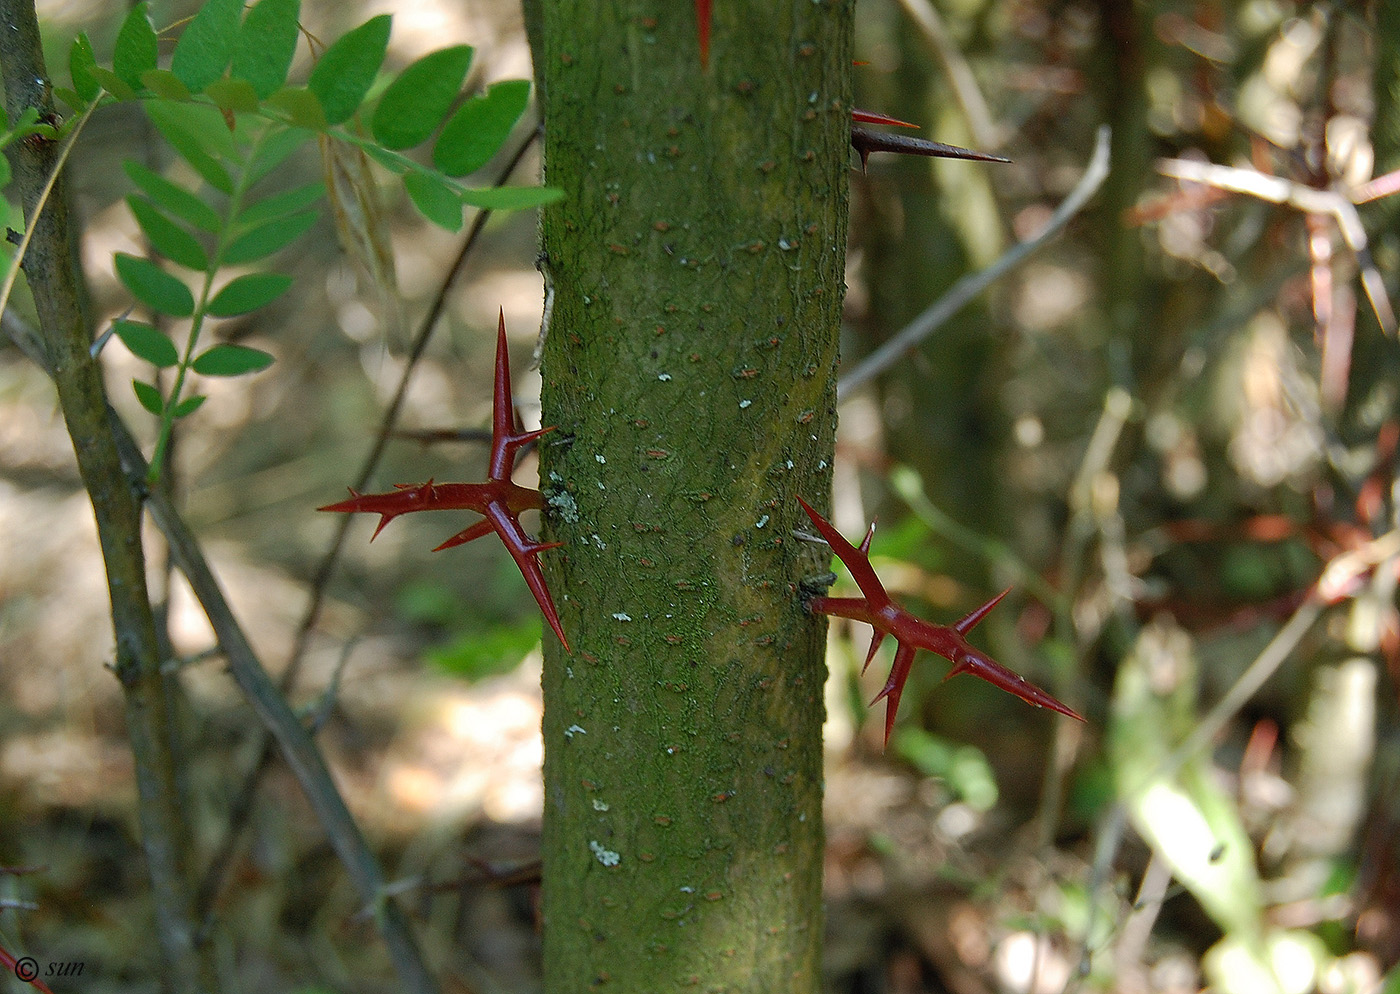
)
(695, 277)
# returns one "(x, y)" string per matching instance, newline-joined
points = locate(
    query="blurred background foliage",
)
(1172, 431)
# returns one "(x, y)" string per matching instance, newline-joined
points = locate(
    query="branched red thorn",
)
(879, 611)
(499, 500)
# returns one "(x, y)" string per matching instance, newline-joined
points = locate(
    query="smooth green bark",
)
(695, 277)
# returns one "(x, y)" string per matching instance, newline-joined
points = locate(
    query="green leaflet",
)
(231, 360)
(416, 103)
(188, 406)
(233, 94)
(274, 150)
(435, 200)
(149, 397)
(154, 287)
(263, 51)
(511, 198)
(112, 83)
(268, 238)
(202, 122)
(345, 72)
(164, 83)
(80, 65)
(167, 237)
(135, 50)
(480, 127)
(146, 342)
(248, 293)
(173, 198)
(174, 127)
(203, 51)
(300, 105)
(280, 204)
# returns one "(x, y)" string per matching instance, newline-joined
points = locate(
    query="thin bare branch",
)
(272, 709)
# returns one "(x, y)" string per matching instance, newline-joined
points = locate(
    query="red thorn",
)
(702, 30)
(876, 639)
(876, 609)
(498, 500)
(873, 117)
(968, 621)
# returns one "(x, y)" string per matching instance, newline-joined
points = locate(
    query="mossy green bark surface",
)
(695, 277)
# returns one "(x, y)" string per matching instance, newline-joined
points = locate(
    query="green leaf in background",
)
(167, 237)
(274, 150)
(204, 49)
(173, 198)
(480, 127)
(435, 200)
(231, 360)
(345, 72)
(279, 204)
(248, 293)
(267, 238)
(146, 342)
(165, 84)
(415, 104)
(154, 287)
(233, 94)
(188, 406)
(149, 397)
(135, 49)
(263, 52)
(300, 105)
(963, 768)
(80, 64)
(189, 146)
(477, 655)
(511, 198)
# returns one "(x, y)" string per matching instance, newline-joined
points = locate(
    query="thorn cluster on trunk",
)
(878, 610)
(499, 500)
